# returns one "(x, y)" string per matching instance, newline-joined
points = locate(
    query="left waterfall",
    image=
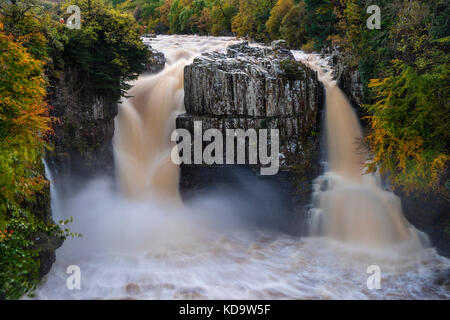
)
(142, 139)
(146, 119)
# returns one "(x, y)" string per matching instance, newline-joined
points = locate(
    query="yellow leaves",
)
(438, 165)
(401, 144)
(278, 12)
(375, 83)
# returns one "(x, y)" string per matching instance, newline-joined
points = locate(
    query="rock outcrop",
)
(44, 243)
(156, 61)
(81, 148)
(256, 88)
(82, 140)
(348, 79)
(83, 135)
(430, 213)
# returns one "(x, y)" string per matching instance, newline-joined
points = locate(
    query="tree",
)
(149, 8)
(24, 17)
(252, 17)
(293, 26)
(173, 17)
(24, 127)
(107, 49)
(277, 15)
(321, 21)
(410, 113)
(16, 14)
(24, 123)
(222, 14)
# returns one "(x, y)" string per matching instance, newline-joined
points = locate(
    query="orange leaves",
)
(22, 88)
(5, 235)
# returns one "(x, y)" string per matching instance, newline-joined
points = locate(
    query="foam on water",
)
(144, 250)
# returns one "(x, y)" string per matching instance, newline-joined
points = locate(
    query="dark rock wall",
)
(47, 245)
(82, 141)
(348, 80)
(81, 147)
(271, 202)
(83, 135)
(429, 213)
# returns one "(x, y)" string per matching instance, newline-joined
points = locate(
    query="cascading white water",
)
(353, 206)
(350, 205)
(143, 126)
(146, 120)
(136, 245)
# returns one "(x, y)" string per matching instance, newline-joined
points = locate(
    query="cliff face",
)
(82, 148)
(348, 79)
(46, 244)
(82, 139)
(256, 88)
(431, 214)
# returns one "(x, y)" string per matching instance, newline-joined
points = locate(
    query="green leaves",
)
(410, 125)
(107, 48)
(19, 254)
(322, 21)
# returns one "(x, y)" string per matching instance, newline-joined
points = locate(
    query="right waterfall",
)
(348, 204)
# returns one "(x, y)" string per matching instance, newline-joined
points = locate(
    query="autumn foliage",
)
(24, 122)
(24, 127)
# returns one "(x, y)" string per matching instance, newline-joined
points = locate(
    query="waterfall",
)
(349, 204)
(136, 245)
(146, 120)
(143, 126)
(55, 202)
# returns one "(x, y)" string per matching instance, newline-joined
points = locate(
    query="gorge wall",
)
(82, 139)
(82, 142)
(83, 136)
(348, 79)
(44, 243)
(81, 148)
